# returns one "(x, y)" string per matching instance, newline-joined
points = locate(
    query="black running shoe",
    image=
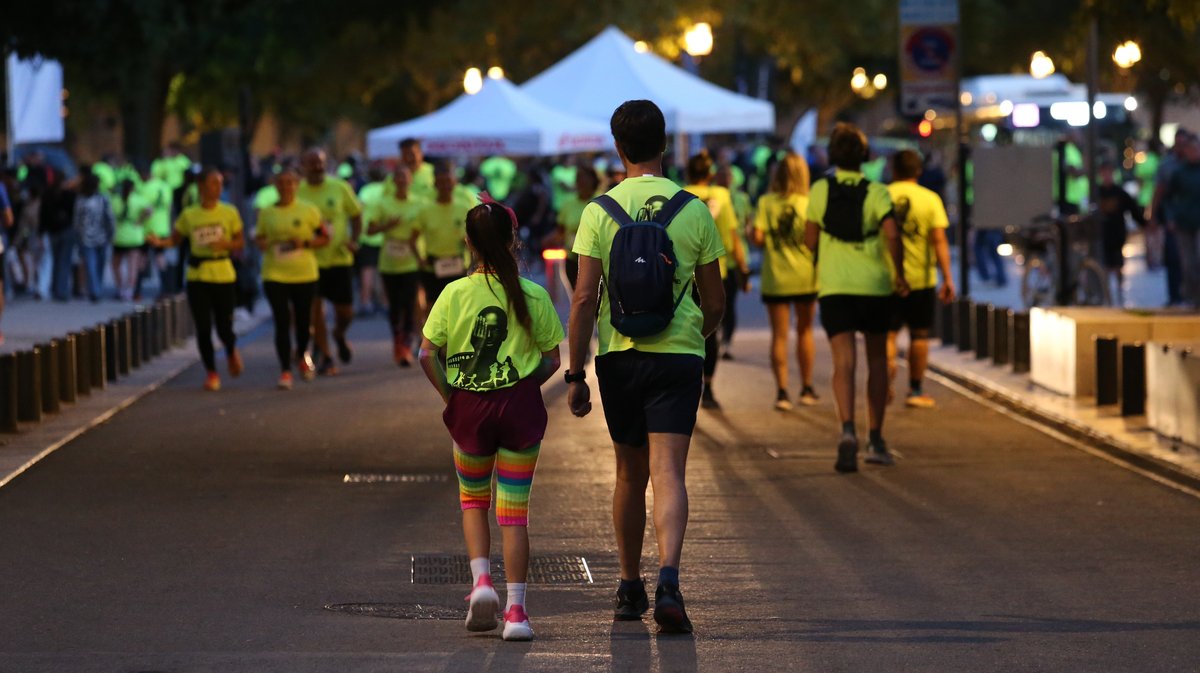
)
(632, 604)
(668, 610)
(327, 367)
(707, 401)
(343, 348)
(847, 460)
(878, 454)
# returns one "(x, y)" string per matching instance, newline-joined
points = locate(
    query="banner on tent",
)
(35, 100)
(929, 54)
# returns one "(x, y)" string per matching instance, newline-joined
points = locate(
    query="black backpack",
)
(641, 268)
(844, 211)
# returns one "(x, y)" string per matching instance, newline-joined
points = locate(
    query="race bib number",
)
(397, 248)
(206, 236)
(286, 251)
(448, 267)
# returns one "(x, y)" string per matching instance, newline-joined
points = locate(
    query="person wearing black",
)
(1114, 202)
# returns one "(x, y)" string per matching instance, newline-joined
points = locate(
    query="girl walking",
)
(490, 342)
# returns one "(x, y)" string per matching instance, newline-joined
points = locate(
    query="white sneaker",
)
(484, 606)
(516, 624)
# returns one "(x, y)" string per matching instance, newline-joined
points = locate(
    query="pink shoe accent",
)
(516, 614)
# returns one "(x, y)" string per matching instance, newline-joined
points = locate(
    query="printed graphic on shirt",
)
(901, 208)
(650, 210)
(786, 233)
(481, 370)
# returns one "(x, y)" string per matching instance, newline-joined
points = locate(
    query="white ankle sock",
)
(516, 594)
(479, 567)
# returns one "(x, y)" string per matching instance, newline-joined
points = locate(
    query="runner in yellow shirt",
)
(213, 230)
(789, 274)
(341, 211)
(395, 217)
(289, 233)
(412, 156)
(570, 212)
(725, 176)
(366, 260)
(443, 225)
(922, 220)
(129, 238)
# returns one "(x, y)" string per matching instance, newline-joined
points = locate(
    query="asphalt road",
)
(197, 532)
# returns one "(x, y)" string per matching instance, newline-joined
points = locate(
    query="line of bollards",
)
(39, 381)
(989, 332)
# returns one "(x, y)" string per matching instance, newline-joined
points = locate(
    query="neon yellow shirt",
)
(337, 203)
(397, 254)
(562, 184)
(130, 231)
(1145, 173)
(367, 195)
(171, 169)
(443, 228)
(918, 212)
(852, 268)
(422, 182)
(1077, 187)
(266, 197)
(107, 175)
(486, 347)
(570, 212)
(284, 226)
(157, 195)
(720, 204)
(788, 266)
(696, 241)
(499, 173)
(203, 226)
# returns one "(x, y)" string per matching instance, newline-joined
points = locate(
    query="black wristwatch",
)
(576, 377)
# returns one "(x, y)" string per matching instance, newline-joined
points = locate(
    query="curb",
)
(1081, 433)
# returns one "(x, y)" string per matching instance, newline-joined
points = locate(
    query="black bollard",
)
(1020, 343)
(981, 333)
(8, 392)
(135, 339)
(147, 334)
(66, 369)
(83, 363)
(50, 403)
(99, 356)
(946, 329)
(963, 308)
(29, 385)
(124, 352)
(1107, 387)
(1133, 379)
(164, 327)
(998, 319)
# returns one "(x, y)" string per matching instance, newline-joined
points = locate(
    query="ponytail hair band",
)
(488, 201)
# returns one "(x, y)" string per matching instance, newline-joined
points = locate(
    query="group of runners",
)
(652, 268)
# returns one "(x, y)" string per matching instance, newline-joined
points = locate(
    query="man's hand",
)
(352, 246)
(947, 293)
(901, 286)
(579, 398)
(745, 280)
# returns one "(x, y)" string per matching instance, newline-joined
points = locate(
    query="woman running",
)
(491, 341)
(789, 274)
(288, 233)
(394, 216)
(213, 230)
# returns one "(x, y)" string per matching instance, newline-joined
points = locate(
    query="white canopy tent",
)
(499, 119)
(607, 71)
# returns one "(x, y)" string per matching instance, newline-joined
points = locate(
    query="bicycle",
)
(1040, 246)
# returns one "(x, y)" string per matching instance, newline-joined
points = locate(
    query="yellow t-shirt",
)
(486, 347)
(397, 254)
(852, 268)
(203, 226)
(338, 204)
(444, 228)
(570, 212)
(156, 194)
(918, 212)
(284, 227)
(788, 266)
(720, 204)
(130, 230)
(422, 182)
(369, 193)
(696, 241)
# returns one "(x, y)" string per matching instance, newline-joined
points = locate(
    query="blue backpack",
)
(641, 268)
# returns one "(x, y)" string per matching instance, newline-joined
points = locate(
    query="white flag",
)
(35, 100)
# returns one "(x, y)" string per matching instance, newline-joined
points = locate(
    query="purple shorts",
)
(513, 418)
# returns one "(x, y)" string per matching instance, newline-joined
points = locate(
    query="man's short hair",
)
(639, 129)
(906, 165)
(409, 142)
(847, 147)
(443, 167)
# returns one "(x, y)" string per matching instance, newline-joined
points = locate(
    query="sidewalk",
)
(26, 322)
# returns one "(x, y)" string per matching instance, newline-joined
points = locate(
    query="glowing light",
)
(1004, 250)
(1040, 65)
(925, 128)
(988, 131)
(880, 81)
(1074, 113)
(472, 81)
(495, 72)
(859, 81)
(641, 47)
(1131, 103)
(931, 115)
(1127, 54)
(1006, 108)
(1099, 110)
(699, 40)
(1026, 115)
(966, 98)
(554, 254)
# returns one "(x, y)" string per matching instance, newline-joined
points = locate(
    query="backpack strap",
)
(671, 208)
(614, 210)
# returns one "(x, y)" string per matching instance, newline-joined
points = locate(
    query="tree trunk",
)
(143, 110)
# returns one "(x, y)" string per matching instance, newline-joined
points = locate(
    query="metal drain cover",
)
(399, 611)
(394, 478)
(456, 569)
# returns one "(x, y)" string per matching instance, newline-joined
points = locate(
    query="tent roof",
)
(607, 71)
(499, 119)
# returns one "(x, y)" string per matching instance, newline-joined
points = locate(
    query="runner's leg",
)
(629, 507)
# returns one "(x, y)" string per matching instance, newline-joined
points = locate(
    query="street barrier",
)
(124, 352)
(164, 326)
(1133, 379)
(981, 331)
(1107, 388)
(945, 314)
(29, 385)
(49, 369)
(962, 325)
(1020, 343)
(136, 331)
(66, 370)
(83, 362)
(1000, 320)
(99, 356)
(8, 392)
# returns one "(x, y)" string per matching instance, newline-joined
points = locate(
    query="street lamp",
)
(699, 40)
(472, 81)
(1127, 54)
(641, 47)
(1040, 65)
(880, 81)
(495, 72)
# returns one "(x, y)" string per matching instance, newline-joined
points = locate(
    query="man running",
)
(341, 210)
(443, 227)
(922, 220)
(650, 385)
(413, 158)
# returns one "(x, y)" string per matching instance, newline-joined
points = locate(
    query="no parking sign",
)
(929, 54)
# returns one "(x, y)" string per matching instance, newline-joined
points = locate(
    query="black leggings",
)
(401, 289)
(733, 285)
(291, 307)
(712, 348)
(212, 304)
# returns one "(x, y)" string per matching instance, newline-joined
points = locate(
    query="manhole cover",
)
(456, 569)
(394, 478)
(399, 611)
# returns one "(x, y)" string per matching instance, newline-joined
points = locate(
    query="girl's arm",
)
(435, 368)
(551, 362)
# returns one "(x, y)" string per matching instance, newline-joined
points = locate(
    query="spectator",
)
(1114, 203)
(93, 222)
(57, 209)
(1182, 194)
(1159, 216)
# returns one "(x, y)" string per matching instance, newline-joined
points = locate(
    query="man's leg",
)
(629, 507)
(877, 394)
(843, 348)
(668, 466)
(320, 330)
(1173, 266)
(779, 315)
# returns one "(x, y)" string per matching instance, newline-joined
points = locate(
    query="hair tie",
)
(488, 201)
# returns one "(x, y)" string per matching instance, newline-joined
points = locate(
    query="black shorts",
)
(367, 257)
(856, 313)
(649, 392)
(914, 311)
(789, 298)
(336, 283)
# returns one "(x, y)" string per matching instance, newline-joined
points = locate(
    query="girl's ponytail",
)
(491, 228)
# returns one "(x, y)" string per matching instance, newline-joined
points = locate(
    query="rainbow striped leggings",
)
(514, 477)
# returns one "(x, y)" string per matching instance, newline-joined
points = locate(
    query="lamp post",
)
(1041, 66)
(472, 81)
(697, 43)
(1127, 54)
